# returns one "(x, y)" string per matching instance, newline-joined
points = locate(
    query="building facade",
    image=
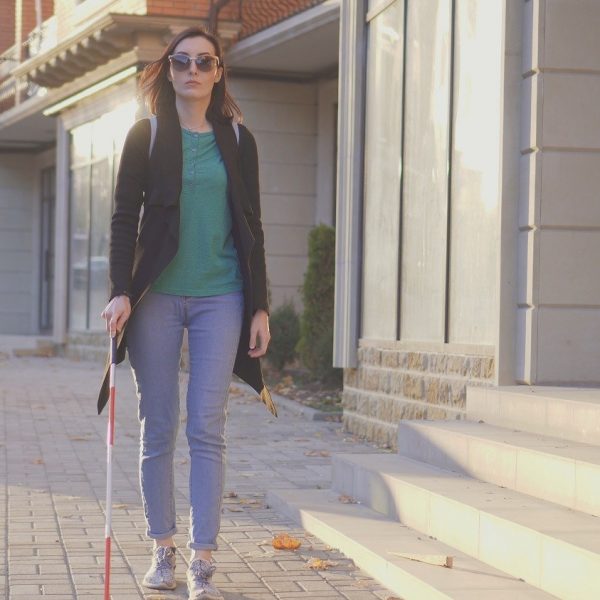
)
(69, 93)
(467, 242)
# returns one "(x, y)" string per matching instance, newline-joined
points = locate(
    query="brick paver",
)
(53, 489)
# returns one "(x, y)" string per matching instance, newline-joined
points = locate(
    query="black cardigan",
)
(138, 257)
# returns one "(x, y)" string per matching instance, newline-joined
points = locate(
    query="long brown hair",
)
(158, 93)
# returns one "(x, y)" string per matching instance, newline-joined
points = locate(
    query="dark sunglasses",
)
(204, 62)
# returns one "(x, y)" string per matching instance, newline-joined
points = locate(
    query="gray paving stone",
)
(52, 465)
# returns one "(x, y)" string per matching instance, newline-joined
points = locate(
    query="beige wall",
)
(559, 222)
(283, 118)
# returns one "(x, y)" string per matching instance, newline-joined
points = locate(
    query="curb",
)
(297, 408)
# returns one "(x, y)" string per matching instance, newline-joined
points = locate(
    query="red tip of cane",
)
(107, 569)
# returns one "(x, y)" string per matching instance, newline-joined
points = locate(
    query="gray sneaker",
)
(199, 584)
(161, 575)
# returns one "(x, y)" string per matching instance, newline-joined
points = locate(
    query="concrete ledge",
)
(370, 539)
(568, 413)
(297, 408)
(528, 538)
(560, 471)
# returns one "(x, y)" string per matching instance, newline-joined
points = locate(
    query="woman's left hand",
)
(259, 328)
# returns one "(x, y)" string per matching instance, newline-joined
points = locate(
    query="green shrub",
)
(315, 346)
(284, 324)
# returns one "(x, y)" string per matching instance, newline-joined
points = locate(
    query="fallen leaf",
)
(250, 501)
(317, 453)
(231, 494)
(347, 499)
(79, 438)
(38, 461)
(441, 560)
(119, 505)
(319, 564)
(284, 541)
(364, 583)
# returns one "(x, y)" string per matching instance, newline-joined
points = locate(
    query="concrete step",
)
(565, 412)
(560, 471)
(370, 539)
(550, 547)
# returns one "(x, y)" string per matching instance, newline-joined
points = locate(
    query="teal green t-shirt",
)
(206, 263)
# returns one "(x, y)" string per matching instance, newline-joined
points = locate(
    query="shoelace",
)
(202, 570)
(163, 566)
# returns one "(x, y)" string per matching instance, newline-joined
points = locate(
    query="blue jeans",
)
(154, 339)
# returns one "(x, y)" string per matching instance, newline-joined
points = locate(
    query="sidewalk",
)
(53, 488)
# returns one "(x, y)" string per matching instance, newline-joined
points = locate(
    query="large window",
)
(425, 178)
(95, 150)
(431, 172)
(382, 171)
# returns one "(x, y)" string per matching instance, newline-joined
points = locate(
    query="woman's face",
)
(191, 83)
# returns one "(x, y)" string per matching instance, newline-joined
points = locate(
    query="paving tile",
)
(53, 490)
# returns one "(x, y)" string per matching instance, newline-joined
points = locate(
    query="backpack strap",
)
(152, 134)
(236, 129)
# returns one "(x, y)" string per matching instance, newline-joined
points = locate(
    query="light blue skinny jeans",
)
(154, 340)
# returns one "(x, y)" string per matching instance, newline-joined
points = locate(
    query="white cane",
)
(110, 438)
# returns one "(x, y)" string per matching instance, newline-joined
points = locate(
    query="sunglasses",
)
(205, 62)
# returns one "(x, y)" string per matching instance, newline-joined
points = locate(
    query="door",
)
(47, 248)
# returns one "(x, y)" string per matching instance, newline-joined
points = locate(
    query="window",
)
(426, 169)
(95, 150)
(383, 134)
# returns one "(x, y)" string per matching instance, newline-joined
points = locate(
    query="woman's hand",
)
(116, 313)
(260, 327)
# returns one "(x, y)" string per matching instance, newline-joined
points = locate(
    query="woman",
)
(195, 260)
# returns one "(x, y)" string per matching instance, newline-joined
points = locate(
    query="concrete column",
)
(348, 253)
(61, 254)
(559, 216)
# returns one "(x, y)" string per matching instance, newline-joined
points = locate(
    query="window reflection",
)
(95, 152)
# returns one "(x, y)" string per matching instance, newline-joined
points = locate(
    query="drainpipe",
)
(213, 14)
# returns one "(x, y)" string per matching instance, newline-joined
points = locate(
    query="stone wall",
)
(391, 384)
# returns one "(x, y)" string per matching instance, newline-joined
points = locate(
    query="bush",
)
(284, 324)
(315, 346)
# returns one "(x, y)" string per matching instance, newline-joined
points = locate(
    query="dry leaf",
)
(231, 494)
(347, 499)
(250, 501)
(284, 541)
(235, 509)
(364, 583)
(79, 438)
(317, 453)
(38, 461)
(441, 560)
(319, 564)
(119, 505)
(183, 461)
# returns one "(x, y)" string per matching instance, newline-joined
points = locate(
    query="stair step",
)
(560, 471)
(369, 539)
(524, 536)
(564, 412)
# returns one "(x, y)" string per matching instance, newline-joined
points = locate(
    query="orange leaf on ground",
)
(319, 564)
(284, 541)
(317, 453)
(347, 499)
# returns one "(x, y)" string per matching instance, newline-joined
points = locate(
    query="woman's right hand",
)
(116, 313)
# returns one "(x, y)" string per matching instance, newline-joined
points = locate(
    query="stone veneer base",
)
(393, 384)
